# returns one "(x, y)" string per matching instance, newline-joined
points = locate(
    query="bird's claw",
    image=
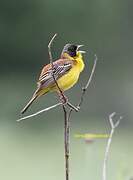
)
(63, 99)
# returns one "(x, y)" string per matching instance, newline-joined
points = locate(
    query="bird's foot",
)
(63, 99)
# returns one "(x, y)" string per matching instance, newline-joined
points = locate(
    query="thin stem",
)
(66, 141)
(88, 83)
(39, 112)
(72, 106)
(113, 126)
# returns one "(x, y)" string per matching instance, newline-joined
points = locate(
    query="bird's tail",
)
(39, 92)
(29, 103)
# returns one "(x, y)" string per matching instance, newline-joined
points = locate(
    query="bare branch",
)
(49, 46)
(66, 141)
(88, 83)
(39, 112)
(72, 107)
(49, 51)
(92, 72)
(113, 126)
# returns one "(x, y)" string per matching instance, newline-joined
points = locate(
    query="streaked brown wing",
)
(60, 67)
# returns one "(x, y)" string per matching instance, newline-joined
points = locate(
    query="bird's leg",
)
(64, 100)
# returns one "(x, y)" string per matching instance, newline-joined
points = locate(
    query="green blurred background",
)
(33, 149)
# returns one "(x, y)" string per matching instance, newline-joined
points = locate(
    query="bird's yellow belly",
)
(69, 79)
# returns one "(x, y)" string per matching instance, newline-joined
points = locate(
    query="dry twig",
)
(113, 126)
(39, 112)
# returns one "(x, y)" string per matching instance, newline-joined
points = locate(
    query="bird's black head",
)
(70, 49)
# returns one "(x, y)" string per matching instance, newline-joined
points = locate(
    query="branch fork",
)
(113, 126)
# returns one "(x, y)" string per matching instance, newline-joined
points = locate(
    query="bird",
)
(65, 71)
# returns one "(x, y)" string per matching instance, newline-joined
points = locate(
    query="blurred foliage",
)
(31, 150)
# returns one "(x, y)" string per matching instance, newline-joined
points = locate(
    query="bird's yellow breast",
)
(69, 79)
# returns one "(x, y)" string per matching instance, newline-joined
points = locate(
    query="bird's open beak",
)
(80, 50)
